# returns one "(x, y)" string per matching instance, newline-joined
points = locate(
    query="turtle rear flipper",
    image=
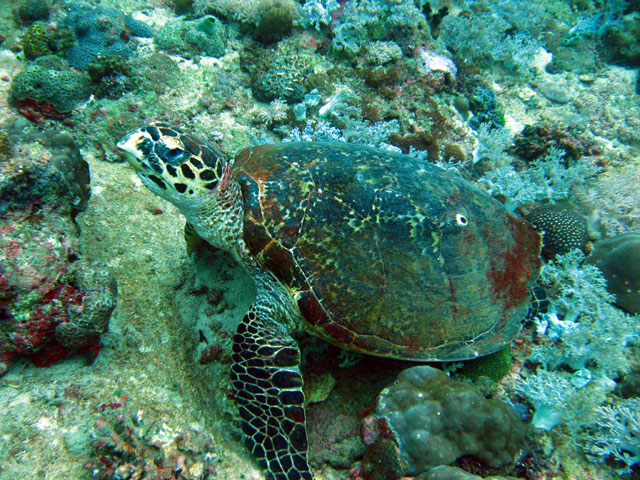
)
(268, 389)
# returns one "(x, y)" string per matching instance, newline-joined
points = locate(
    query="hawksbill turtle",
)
(373, 251)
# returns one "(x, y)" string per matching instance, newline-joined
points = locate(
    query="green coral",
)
(49, 81)
(110, 75)
(622, 40)
(495, 366)
(38, 40)
(205, 36)
(275, 21)
(32, 10)
(284, 77)
(35, 42)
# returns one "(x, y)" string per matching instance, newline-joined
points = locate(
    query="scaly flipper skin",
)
(268, 389)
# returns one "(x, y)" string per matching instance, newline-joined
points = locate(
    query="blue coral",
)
(101, 31)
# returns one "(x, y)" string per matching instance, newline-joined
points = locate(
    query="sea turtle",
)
(376, 252)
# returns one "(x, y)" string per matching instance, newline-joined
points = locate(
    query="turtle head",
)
(174, 164)
(187, 172)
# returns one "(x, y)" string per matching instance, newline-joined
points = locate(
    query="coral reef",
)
(187, 38)
(585, 330)
(363, 76)
(282, 76)
(183, 6)
(618, 258)
(535, 141)
(547, 179)
(562, 229)
(157, 72)
(383, 461)
(444, 472)
(48, 88)
(33, 10)
(127, 446)
(360, 22)
(51, 302)
(421, 410)
(91, 318)
(48, 168)
(111, 76)
(587, 346)
(622, 38)
(614, 435)
(100, 31)
(41, 39)
(274, 19)
(614, 199)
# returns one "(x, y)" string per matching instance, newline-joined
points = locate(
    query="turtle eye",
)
(462, 220)
(171, 154)
(174, 153)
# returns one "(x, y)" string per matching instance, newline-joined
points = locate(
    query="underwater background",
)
(115, 342)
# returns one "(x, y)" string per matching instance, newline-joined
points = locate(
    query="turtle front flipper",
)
(268, 389)
(194, 241)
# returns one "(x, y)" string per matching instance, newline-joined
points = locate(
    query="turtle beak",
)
(129, 145)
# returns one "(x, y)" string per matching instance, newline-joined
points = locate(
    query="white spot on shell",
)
(462, 220)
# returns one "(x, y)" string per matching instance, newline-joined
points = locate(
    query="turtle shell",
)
(386, 254)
